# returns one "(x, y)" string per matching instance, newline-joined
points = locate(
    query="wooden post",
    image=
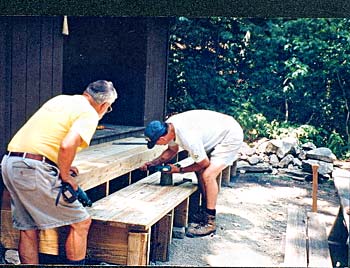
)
(226, 176)
(138, 248)
(233, 169)
(218, 181)
(314, 187)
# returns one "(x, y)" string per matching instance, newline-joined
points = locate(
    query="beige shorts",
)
(34, 186)
(226, 152)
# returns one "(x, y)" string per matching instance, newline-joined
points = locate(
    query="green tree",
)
(262, 71)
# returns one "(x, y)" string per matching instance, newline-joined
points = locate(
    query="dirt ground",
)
(251, 219)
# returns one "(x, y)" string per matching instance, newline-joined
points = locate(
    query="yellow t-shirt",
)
(44, 131)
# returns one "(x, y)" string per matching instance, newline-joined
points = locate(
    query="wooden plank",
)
(314, 187)
(163, 234)
(195, 200)
(226, 173)
(57, 56)
(52, 241)
(46, 44)
(295, 251)
(138, 248)
(342, 185)
(5, 81)
(108, 244)
(33, 65)
(156, 71)
(233, 168)
(181, 214)
(319, 255)
(19, 56)
(143, 203)
(9, 235)
(103, 162)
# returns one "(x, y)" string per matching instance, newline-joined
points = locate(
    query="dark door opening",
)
(111, 49)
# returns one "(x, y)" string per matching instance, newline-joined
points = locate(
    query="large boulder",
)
(324, 167)
(282, 147)
(322, 153)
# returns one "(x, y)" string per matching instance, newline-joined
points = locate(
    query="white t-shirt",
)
(199, 131)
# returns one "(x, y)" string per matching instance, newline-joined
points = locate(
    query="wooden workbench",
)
(133, 213)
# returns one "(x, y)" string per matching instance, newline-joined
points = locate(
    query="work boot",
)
(198, 217)
(207, 227)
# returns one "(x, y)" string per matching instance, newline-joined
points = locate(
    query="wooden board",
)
(138, 246)
(342, 184)
(143, 203)
(161, 238)
(319, 255)
(295, 250)
(109, 244)
(103, 162)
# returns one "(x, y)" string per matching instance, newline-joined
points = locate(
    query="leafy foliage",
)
(273, 75)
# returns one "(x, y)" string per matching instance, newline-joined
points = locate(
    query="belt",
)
(33, 157)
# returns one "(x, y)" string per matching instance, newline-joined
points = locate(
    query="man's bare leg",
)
(208, 225)
(210, 184)
(76, 243)
(28, 247)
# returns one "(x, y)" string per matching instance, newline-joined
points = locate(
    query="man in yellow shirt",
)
(39, 159)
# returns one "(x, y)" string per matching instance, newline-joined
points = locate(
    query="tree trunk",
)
(287, 110)
(347, 109)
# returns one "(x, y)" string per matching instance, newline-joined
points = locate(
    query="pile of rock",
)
(286, 156)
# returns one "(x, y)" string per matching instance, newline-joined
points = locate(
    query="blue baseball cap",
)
(154, 130)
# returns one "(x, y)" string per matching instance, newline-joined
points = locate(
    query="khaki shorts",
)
(34, 186)
(226, 152)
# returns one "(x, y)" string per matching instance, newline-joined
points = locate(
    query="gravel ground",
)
(251, 220)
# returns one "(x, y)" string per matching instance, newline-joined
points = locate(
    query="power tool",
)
(69, 195)
(161, 168)
(165, 178)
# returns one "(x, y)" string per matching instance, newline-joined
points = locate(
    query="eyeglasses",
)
(109, 109)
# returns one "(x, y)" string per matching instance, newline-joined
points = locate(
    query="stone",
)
(272, 146)
(274, 161)
(297, 162)
(308, 146)
(242, 163)
(179, 232)
(322, 153)
(254, 159)
(323, 169)
(296, 172)
(260, 167)
(11, 256)
(246, 150)
(274, 171)
(286, 147)
(281, 147)
(261, 148)
(285, 161)
(302, 155)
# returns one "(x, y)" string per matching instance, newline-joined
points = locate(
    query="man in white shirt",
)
(212, 139)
